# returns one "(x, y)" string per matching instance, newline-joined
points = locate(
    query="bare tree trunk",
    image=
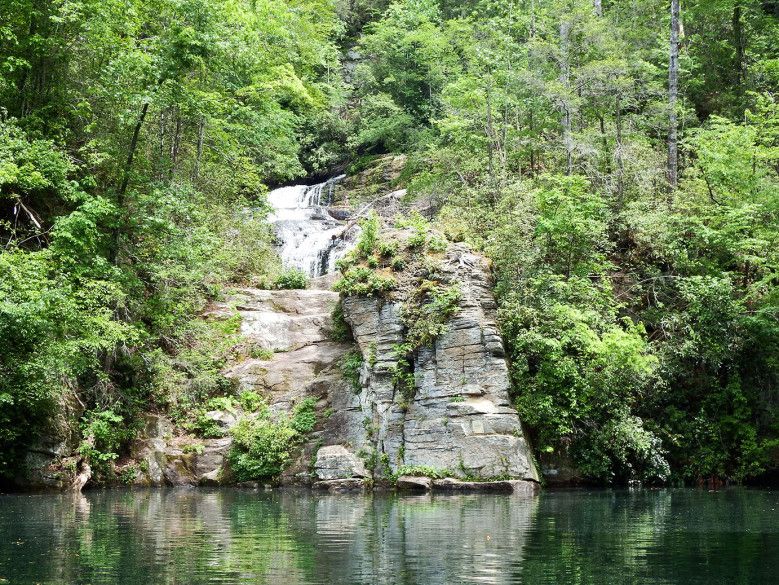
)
(565, 80)
(618, 152)
(201, 134)
(598, 7)
(490, 133)
(673, 95)
(738, 41)
(175, 145)
(120, 195)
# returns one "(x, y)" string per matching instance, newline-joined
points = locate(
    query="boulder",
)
(224, 419)
(337, 462)
(414, 483)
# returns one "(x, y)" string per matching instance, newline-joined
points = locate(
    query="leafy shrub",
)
(261, 447)
(426, 314)
(388, 249)
(261, 353)
(250, 400)
(204, 426)
(403, 378)
(304, 416)
(422, 471)
(369, 237)
(103, 433)
(196, 448)
(290, 279)
(340, 330)
(362, 281)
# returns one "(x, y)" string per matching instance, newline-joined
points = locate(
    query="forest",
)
(616, 160)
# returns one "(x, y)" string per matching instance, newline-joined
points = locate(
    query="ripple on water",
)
(235, 537)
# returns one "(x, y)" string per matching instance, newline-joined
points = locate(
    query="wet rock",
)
(339, 486)
(518, 487)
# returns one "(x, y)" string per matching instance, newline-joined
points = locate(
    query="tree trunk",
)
(598, 7)
(120, 195)
(673, 95)
(490, 133)
(85, 470)
(565, 80)
(738, 41)
(618, 151)
(175, 146)
(201, 134)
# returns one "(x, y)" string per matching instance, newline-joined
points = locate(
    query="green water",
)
(230, 536)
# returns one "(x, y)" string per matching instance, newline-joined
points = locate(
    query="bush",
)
(369, 237)
(250, 400)
(304, 416)
(291, 279)
(362, 281)
(263, 445)
(340, 330)
(427, 313)
(103, 433)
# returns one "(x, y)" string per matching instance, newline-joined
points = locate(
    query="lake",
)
(230, 536)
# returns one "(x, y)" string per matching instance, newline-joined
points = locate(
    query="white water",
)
(309, 239)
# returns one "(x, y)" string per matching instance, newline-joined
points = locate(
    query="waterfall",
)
(309, 238)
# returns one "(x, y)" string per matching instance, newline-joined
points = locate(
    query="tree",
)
(673, 94)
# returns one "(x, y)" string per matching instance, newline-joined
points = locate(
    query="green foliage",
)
(131, 142)
(263, 444)
(104, 433)
(403, 372)
(304, 416)
(421, 470)
(351, 367)
(641, 322)
(195, 448)
(369, 236)
(363, 281)
(340, 331)
(261, 447)
(428, 311)
(291, 278)
(261, 353)
(250, 401)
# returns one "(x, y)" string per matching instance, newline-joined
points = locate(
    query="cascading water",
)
(309, 238)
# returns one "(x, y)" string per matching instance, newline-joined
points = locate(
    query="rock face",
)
(460, 419)
(165, 459)
(459, 422)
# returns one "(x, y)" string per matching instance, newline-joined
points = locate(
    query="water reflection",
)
(230, 536)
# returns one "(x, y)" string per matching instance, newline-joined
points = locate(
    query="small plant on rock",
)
(291, 278)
